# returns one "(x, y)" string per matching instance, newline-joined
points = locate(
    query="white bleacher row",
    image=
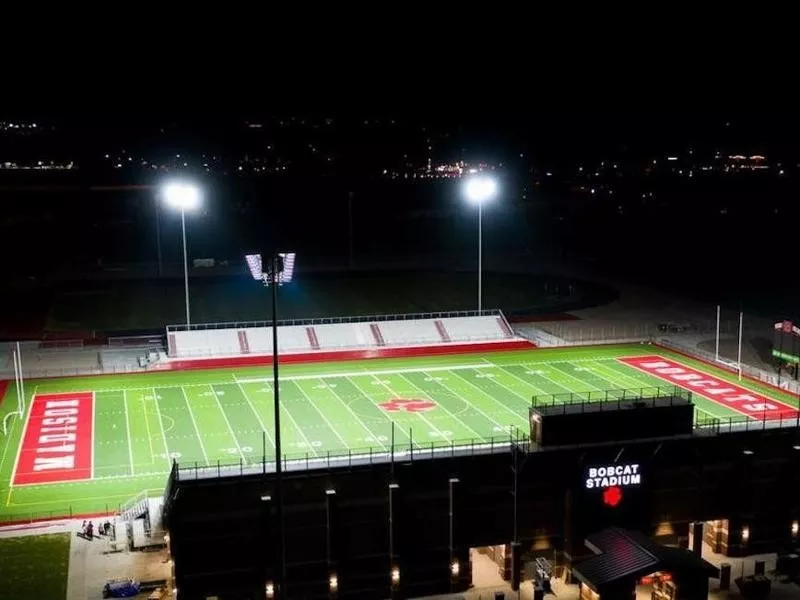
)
(337, 336)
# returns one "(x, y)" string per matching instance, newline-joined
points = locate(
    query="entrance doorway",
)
(491, 565)
(715, 537)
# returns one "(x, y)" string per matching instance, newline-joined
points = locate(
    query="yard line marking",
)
(386, 385)
(483, 439)
(488, 395)
(191, 414)
(352, 412)
(147, 427)
(514, 375)
(167, 453)
(311, 402)
(19, 448)
(469, 403)
(258, 416)
(128, 428)
(288, 412)
(224, 416)
(386, 415)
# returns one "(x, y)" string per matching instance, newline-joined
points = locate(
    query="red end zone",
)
(727, 394)
(57, 443)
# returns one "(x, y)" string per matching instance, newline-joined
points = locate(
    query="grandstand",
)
(332, 335)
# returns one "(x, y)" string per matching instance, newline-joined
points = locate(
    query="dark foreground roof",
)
(623, 554)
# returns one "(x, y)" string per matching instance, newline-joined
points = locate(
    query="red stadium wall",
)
(3, 389)
(341, 355)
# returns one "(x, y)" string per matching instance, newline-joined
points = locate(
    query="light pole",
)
(183, 196)
(480, 189)
(279, 269)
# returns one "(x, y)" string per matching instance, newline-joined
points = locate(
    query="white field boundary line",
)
(334, 374)
(258, 417)
(428, 396)
(19, 448)
(398, 429)
(228, 423)
(339, 399)
(194, 422)
(128, 429)
(167, 453)
(364, 373)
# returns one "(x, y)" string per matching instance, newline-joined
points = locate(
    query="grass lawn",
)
(132, 427)
(34, 567)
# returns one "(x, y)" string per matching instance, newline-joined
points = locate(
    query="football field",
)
(88, 444)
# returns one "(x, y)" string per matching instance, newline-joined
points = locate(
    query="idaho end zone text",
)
(613, 475)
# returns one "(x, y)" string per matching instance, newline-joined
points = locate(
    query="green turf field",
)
(143, 421)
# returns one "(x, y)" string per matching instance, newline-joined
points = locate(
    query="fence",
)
(355, 457)
(649, 396)
(496, 312)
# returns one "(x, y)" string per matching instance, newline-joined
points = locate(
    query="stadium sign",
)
(626, 475)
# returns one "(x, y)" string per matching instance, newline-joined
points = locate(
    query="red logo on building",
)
(407, 405)
(612, 496)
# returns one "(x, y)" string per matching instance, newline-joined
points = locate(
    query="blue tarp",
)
(126, 588)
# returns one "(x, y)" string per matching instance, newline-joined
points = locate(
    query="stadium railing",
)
(613, 398)
(337, 320)
(354, 457)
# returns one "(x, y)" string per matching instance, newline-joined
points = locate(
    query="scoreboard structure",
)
(786, 342)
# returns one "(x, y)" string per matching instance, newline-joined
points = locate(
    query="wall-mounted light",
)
(266, 498)
(395, 575)
(270, 590)
(330, 492)
(795, 528)
(333, 583)
(745, 533)
(455, 568)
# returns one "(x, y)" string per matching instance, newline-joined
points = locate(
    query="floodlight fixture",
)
(285, 268)
(480, 189)
(330, 492)
(181, 194)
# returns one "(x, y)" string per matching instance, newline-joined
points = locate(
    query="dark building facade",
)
(365, 523)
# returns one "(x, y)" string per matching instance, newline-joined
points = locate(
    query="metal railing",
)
(613, 399)
(495, 312)
(354, 457)
(706, 425)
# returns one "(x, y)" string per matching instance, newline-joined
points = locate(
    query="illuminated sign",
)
(613, 475)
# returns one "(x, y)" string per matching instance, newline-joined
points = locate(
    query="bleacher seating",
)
(292, 338)
(354, 335)
(403, 333)
(344, 335)
(475, 328)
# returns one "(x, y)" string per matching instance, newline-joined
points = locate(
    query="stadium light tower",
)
(480, 189)
(279, 269)
(183, 196)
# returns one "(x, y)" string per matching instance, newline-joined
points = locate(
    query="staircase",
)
(442, 331)
(312, 338)
(244, 345)
(376, 333)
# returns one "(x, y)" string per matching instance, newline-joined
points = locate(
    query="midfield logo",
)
(407, 405)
